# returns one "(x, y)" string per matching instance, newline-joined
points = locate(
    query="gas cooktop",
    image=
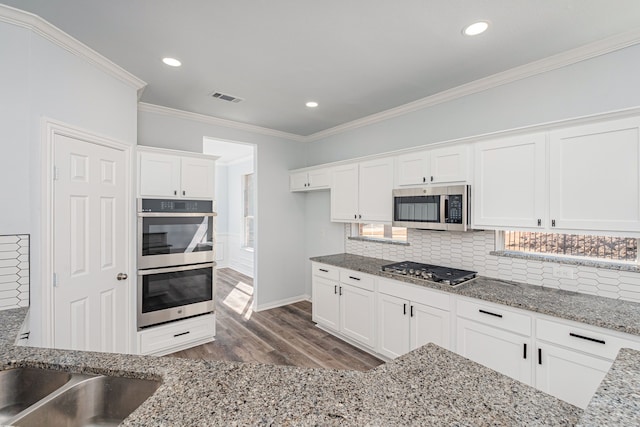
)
(434, 273)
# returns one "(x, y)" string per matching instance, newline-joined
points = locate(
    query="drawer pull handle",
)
(587, 338)
(323, 270)
(335, 289)
(405, 308)
(340, 290)
(180, 334)
(490, 313)
(354, 278)
(539, 356)
(524, 351)
(411, 311)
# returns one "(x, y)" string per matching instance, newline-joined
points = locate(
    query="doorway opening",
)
(236, 192)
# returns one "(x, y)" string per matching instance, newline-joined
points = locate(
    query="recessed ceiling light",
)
(173, 62)
(475, 28)
(311, 104)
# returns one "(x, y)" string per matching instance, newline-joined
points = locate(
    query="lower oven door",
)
(172, 293)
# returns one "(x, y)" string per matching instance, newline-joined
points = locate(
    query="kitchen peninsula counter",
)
(617, 315)
(429, 386)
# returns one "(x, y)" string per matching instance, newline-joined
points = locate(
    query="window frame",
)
(248, 203)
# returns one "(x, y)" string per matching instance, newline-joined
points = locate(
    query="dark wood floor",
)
(280, 336)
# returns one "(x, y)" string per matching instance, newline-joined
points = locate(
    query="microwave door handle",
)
(444, 209)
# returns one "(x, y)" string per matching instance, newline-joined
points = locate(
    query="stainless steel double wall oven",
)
(175, 260)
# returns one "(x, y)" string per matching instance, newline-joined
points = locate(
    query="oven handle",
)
(175, 214)
(174, 269)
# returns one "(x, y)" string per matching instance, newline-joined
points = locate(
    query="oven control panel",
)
(178, 206)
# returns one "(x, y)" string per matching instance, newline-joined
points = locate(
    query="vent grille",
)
(226, 97)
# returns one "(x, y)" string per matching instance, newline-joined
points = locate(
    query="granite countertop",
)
(618, 315)
(429, 386)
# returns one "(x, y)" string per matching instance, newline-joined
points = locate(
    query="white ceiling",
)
(354, 57)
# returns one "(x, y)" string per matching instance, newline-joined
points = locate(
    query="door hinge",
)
(56, 173)
(55, 280)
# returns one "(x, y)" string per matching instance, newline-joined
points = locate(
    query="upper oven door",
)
(174, 238)
(419, 208)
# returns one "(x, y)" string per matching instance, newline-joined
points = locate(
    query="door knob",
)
(122, 276)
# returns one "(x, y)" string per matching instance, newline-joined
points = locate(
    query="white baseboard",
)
(282, 302)
(241, 268)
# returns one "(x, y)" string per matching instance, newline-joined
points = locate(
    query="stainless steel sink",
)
(22, 387)
(78, 400)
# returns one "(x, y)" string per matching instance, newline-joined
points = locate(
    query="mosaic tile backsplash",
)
(470, 251)
(14, 271)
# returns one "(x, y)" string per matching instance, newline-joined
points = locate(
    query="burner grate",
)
(434, 273)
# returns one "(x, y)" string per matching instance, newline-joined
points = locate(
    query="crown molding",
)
(550, 63)
(203, 118)
(55, 35)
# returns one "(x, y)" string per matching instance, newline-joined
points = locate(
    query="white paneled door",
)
(90, 246)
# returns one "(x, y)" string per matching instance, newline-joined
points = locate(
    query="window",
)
(381, 231)
(573, 245)
(248, 187)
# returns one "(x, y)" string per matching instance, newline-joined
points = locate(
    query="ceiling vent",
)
(226, 97)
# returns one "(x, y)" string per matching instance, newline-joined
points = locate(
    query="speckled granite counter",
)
(623, 316)
(429, 386)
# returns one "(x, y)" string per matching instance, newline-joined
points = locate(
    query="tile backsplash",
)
(471, 250)
(14, 271)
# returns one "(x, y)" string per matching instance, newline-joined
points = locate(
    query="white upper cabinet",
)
(441, 165)
(361, 192)
(316, 179)
(595, 176)
(509, 184)
(159, 175)
(171, 175)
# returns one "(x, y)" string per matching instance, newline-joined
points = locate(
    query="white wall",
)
(280, 254)
(239, 258)
(39, 79)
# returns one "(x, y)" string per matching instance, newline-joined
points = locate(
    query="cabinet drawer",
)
(582, 338)
(495, 316)
(357, 279)
(159, 338)
(326, 271)
(415, 293)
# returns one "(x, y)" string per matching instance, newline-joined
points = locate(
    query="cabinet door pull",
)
(184, 193)
(323, 270)
(175, 192)
(340, 290)
(335, 289)
(180, 334)
(355, 216)
(490, 313)
(553, 222)
(424, 179)
(404, 308)
(539, 356)
(431, 178)
(359, 216)
(587, 338)
(411, 312)
(354, 278)
(524, 351)
(539, 222)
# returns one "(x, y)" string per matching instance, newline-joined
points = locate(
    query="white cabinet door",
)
(357, 317)
(502, 351)
(298, 181)
(568, 375)
(197, 178)
(325, 308)
(509, 184)
(344, 194)
(393, 326)
(376, 186)
(412, 169)
(429, 324)
(449, 164)
(595, 176)
(159, 175)
(318, 179)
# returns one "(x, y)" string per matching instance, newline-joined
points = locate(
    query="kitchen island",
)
(429, 386)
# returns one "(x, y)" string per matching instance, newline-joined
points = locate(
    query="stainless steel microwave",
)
(432, 208)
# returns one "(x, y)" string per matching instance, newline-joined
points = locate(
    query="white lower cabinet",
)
(176, 336)
(500, 350)
(569, 375)
(405, 324)
(344, 302)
